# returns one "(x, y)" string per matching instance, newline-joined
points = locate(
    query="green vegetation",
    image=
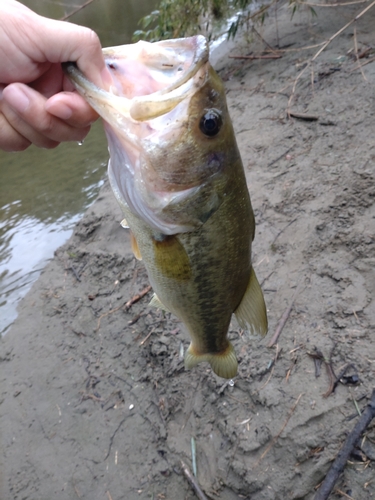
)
(181, 18)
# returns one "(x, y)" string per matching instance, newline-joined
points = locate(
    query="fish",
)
(176, 171)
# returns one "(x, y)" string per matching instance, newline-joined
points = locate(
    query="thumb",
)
(60, 41)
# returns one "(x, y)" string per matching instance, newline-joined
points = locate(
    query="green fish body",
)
(177, 173)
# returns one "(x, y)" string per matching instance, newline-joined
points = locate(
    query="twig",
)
(304, 116)
(344, 494)
(77, 492)
(298, 49)
(339, 463)
(356, 406)
(193, 482)
(107, 314)
(64, 18)
(72, 268)
(113, 437)
(147, 336)
(363, 64)
(323, 47)
(109, 496)
(309, 4)
(356, 52)
(269, 378)
(333, 380)
(282, 230)
(266, 278)
(138, 297)
(272, 367)
(278, 158)
(136, 318)
(268, 56)
(193, 456)
(280, 431)
(284, 319)
(126, 306)
(277, 26)
(365, 52)
(264, 41)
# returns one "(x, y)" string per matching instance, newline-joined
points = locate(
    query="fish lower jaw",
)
(223, 363)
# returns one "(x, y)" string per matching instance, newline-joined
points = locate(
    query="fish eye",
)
(112, 65)
(211, 123)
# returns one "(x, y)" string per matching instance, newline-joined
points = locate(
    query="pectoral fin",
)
(156, 302)
(135, 248)
(124, 224)
(171, 258)
(224, 363)
(251, 314)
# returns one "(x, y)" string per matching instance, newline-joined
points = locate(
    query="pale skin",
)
(38, 105)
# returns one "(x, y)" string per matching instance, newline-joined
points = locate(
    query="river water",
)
(44, 193)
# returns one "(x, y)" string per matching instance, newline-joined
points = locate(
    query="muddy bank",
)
(95, 401)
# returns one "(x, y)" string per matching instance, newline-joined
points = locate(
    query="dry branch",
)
(304, 116)
(280, 431)
(126, 306)
(363, 64)
(284, 319)
(193, 482)
(310, 4)
(64, 18)
(267, 56)
(338, 465)
(322, 48)
(137, 297)
(356, 53)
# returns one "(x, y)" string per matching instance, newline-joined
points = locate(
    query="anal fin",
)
(251, 314)
(156, 302)
(224, 363)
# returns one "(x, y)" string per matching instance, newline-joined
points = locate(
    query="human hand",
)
(38, 104)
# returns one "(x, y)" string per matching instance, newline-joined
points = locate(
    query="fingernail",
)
(16, 98)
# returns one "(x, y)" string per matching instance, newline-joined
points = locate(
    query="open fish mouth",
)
(146, 113)
(149, 79)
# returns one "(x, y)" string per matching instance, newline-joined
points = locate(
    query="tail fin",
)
(224, 363)
(251, 313)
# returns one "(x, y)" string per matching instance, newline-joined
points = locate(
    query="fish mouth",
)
(145, 110)
(169, 68)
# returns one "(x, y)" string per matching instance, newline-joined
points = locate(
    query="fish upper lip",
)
(143, 108)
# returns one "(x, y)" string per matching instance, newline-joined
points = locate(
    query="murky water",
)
(44, 193)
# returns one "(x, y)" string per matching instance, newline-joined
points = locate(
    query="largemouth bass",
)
(177, 174)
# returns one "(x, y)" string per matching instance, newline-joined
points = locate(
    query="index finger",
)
(60, 41)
